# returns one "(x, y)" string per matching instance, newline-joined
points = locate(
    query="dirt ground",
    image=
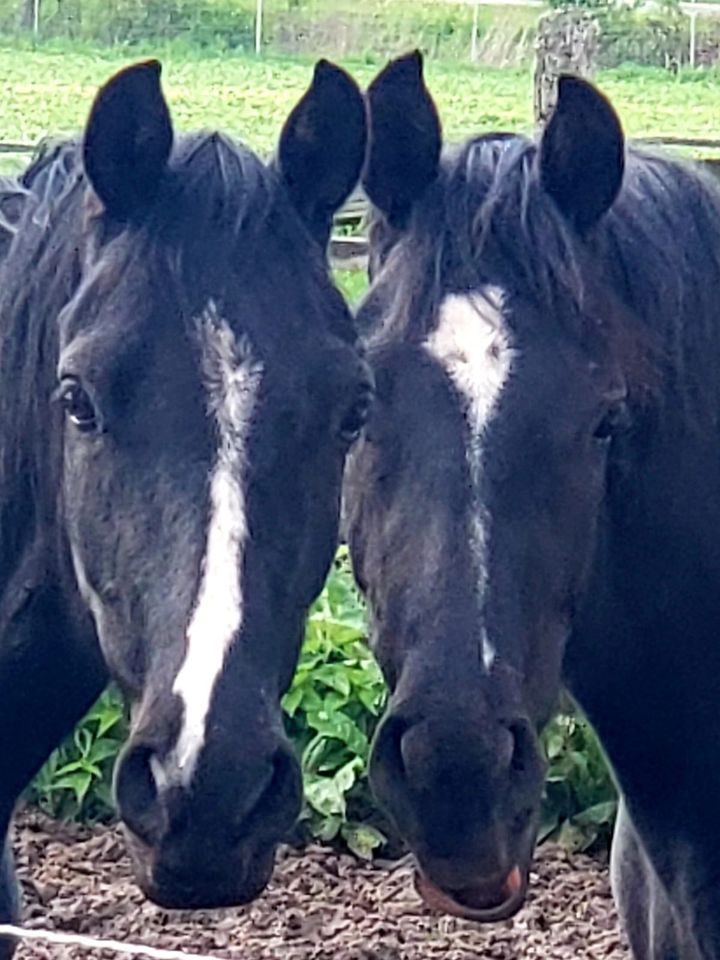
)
(321, 905)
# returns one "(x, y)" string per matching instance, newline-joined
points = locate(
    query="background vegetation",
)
(47, 92)
(373, 28)
(647, 32)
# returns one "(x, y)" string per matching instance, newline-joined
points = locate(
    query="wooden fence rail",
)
(17, 148)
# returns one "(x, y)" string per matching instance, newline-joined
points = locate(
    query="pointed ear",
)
(582, 153)
(405, 138)
(322, 147)
(128, 139)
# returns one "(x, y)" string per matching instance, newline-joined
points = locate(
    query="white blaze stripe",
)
(473, 344)
(232, 380)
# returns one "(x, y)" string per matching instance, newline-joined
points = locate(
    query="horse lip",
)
(509, 895)
(183, 896)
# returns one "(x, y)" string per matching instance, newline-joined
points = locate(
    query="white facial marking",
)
(473, 344)
(232, 379)
(489, 653)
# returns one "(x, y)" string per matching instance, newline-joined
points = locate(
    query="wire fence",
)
(123, 948)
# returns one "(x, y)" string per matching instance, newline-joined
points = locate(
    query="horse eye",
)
(356, 417)
(615, 421)
(78, 406)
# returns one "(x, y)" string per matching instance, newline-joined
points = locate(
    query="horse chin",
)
(248, 879)
(484, 901)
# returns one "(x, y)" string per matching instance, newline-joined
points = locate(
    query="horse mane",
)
(217, 200)
(643, 279)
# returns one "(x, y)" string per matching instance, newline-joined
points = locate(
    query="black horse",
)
(537, 498)
(179, 385)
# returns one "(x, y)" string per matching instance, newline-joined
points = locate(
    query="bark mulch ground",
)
(321, 905)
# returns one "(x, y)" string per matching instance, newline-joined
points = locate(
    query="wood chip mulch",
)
(321, 905)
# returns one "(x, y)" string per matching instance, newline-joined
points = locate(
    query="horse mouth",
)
(195, 890)
(483, 901)
(181, 897)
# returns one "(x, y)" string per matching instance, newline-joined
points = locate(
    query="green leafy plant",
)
(580, 797)
(332, 708)
(76, 780)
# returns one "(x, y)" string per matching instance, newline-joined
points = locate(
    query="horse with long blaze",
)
(179, 386)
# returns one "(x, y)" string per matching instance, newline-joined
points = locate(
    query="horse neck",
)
(30, 446)
(644, 659)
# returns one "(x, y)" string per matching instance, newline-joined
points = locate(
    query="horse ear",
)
(405, 138)
(322, 147)
(128, 139)
(582, 153)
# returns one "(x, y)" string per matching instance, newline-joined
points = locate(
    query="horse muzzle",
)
(483, 900)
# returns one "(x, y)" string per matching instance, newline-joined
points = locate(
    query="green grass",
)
(353, 284)
(49, 91)
(653, 103)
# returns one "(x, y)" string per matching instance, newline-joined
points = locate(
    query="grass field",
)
(48, 92)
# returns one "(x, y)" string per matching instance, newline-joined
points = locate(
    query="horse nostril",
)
(388, 760)
(523, 747)
(136, 793)
(521, 819)
(286, 779)
(279, 800)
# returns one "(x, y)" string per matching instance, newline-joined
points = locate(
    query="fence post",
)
(693, 35)
(566, 42)
(258, 26)
(474, 38)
